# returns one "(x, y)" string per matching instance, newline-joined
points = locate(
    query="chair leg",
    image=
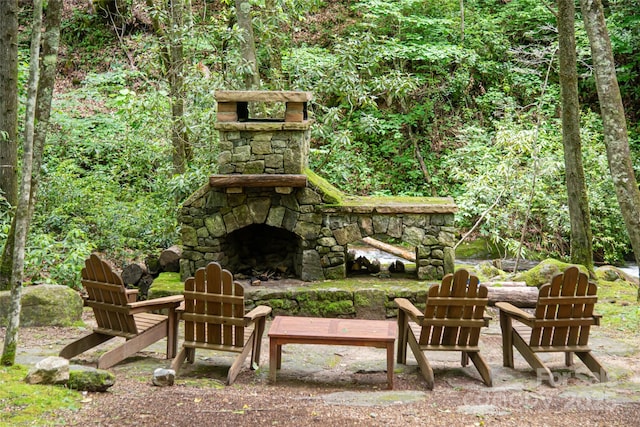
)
(257, 343)
(507, 339)
(594, 366)
(173, 321)
(403, 329)
(83, 344)
(423, 363)
(132, 346)
(464, 359)
(234, 370)
(482, 368)
(191, 355)
(531, 358)
(177, 361)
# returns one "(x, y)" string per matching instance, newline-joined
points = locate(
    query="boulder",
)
(163, 377)
(45, 305)
(90, 379)
(51, 370)
(543, 272)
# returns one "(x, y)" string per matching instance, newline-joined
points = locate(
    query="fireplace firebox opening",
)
(262, 251)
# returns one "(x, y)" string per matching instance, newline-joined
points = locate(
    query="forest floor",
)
(339, 385)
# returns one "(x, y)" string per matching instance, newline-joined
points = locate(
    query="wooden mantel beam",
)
(258, 180)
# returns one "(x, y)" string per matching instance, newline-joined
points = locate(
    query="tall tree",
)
(614, 122)
(176, 85)
(48, 63)
(578, 200)
(168, 23)
(21, 219)
(248, 45)
(9, 100)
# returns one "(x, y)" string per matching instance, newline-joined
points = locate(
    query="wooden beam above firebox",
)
(258, 180)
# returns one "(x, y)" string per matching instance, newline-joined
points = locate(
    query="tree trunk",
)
(48, 62)
(9, 100)
(46, 83)
(22, 211)
(248, 45)
(577, 198)
(176, 83)
(8, 122)
(613, 121)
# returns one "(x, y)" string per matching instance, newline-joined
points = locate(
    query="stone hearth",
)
(266, 209)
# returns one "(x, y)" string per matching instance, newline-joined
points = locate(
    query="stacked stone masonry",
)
(235, 224)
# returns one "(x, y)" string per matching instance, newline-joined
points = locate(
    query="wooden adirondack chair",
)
(119, 315)
(453, 316)
(560, 323)
(215, 319)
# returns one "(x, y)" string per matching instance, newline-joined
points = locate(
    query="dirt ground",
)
(345, 386)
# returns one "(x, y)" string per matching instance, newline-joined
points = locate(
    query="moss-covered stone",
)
(330, 194)
(94, 380)
(543, 272)
(477, 249)
(45, 305)
(370, 303)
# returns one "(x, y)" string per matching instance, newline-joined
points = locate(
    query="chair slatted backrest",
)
(107, 296)
(214, 308)
(454, 312)
(564, 311)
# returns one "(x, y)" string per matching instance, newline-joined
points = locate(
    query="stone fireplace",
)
(266, 209)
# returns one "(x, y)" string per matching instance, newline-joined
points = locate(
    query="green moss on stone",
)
(331, 194)
(543, 272)
(166, 284)
(91, 380)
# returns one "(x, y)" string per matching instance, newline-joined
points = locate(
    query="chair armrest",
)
(515, 312)
(596, 318)
(259, 311)
(171, 301)
(132, 294)
(410, 309)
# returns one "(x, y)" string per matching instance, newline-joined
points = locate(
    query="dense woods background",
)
(451, 98)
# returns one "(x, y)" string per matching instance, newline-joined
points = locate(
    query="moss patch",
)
(24, 404)
(166, 284)
(330, 193)
(478, 249)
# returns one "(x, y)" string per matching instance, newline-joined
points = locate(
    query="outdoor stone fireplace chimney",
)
(266, 209)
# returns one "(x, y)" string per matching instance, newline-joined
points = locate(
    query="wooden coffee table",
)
(313, 330)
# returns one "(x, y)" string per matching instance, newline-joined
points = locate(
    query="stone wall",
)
(322, 232)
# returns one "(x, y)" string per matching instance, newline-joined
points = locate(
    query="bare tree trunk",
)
(9, 100)
(8, 122)
(614, 122)
(22, 212)
(176, 83)
(248, 45)
(47, 79)
(578, 201)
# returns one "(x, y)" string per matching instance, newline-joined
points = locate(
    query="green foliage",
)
(57, 261)
(391, 80)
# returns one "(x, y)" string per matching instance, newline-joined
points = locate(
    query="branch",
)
(480, 219)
